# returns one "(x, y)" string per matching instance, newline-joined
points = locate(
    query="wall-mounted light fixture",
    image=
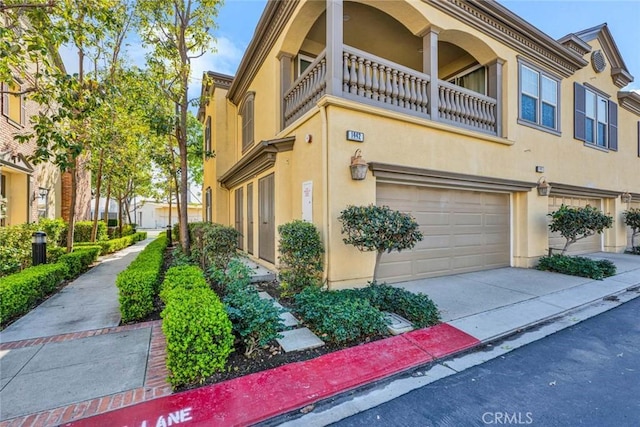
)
(543, 187)
(626, 197)
(358, 166)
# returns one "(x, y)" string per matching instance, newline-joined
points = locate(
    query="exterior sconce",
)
(358, 166)
(543, 187)
(626, 197)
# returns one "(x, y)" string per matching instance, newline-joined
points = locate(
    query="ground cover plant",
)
(577, 266)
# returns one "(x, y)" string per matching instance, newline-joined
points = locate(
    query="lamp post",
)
(39, 248)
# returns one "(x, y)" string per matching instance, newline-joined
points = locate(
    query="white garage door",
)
(463, 231)
(583, 246)
(637, 241)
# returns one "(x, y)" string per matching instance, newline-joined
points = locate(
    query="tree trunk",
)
(106, 203)
(96, 205)
(72, 207)
(375, 269)
(120, 215)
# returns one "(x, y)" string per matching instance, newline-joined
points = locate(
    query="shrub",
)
(137, 285)
(198, 334)
(55, 229)
(338, 316)
(15, 247)
(418, 308)
(20, 291)
(78, 260)
(577, 266)
(578, 223)
(300, 256)
(379, 229)
(632, 220)
(182, 277)
(114, 245)
(212, 245)
(255, 321)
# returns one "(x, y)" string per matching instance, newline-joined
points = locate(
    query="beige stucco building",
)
(462, 110)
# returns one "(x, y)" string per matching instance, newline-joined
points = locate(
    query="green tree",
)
(632, 220)
(178, 31)
(575, 223)
(379, 229)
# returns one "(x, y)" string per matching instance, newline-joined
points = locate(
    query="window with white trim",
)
(539, 98)
(13, 105)
(595, 118)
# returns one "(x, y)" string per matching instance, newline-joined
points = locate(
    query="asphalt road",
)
(586, 375)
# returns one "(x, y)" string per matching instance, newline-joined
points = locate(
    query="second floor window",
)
(208, 205)
(207, 136)
(247, 121)
(595, 118)
(539, 98)
(13, 106)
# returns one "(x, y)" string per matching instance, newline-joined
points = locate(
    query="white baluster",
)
(345, 72)
(375, 84)
(367, 79)
(413, 96)
(353, 78)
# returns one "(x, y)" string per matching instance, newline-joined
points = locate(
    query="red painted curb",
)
(260, 396)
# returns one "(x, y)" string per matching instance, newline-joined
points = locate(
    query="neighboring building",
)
(461, 109)
(150, 214)
(33, 191)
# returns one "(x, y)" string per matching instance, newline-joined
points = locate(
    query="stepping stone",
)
(288, 319)
(397, 324)
(264, 295)
(299, 339)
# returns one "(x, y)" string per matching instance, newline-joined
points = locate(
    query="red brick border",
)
(155, 384)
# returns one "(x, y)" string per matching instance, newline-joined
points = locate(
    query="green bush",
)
(15, 247)
(632, 220)
(138, 284)
(379, 229)
(212, 245)
(577, 266)
(338, 316)
(255, 321)
(578, 223)
(55, 229)
(300, 256)
(18, 292)
(418, 308)
(114, 245)
(181, 277)
(79, 260)
(198, 334)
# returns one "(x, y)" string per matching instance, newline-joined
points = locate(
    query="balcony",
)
(349, 58)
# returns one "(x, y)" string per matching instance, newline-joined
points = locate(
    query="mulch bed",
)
(261, 359)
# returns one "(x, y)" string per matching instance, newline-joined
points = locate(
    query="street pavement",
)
(586, 375)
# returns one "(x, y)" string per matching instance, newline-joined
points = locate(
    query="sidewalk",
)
(70, 348)
(477, 308)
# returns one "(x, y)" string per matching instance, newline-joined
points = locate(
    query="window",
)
(43, 203)
(595, 118)
(539, 98)
(303, 63)
(13, 106)
(247, 121)
(474, 79)
(207, 203)
(207, 137)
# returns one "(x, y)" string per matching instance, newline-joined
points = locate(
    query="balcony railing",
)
(461, 106)
(373, 80)
(306, 90)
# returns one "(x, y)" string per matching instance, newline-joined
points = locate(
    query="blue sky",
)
(238, 18)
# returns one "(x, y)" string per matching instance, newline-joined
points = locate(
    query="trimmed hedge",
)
(20, 291)
(114, 245)
(79, 260)
(577, 266)
(181, 277)
(138, 284)
(196, 327)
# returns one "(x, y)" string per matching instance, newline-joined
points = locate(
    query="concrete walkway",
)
(69, 349)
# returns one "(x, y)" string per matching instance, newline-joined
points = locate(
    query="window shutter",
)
(5, 99)
(613, 126)
(23, 110)
(578, 112)
(638, 139)
(207, 135)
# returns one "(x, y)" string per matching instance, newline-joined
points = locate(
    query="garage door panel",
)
(463, 231)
